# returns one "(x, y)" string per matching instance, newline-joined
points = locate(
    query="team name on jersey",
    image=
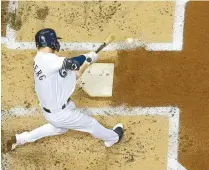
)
(39, 72)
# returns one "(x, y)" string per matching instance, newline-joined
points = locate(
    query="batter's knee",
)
(61, 130)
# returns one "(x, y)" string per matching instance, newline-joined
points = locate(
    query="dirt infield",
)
(3, 18)
(137, 153)
(93, 21)
(174, 78)
(75, 150)
(141, 78)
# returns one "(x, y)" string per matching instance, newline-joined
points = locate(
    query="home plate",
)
(97, 80)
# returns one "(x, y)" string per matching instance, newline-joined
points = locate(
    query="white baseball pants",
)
(69, 118)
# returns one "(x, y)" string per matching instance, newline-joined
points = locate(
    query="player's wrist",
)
(91, 57)
(89, 60)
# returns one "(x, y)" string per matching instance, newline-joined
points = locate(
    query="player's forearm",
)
(84, 66)
(91, 57)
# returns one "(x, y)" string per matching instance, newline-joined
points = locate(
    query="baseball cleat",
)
(119, 130)
(11, 144)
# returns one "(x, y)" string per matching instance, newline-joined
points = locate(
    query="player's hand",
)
(92, 55)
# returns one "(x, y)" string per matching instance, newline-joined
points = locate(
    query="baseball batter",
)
(55, 80)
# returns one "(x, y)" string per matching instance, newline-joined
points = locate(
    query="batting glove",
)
(91, 57)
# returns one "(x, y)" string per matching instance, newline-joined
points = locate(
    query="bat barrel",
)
(107, 41)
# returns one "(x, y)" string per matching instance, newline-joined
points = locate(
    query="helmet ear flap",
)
(57, 46)
(54, 45)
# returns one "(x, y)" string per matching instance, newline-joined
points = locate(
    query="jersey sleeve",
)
(55, 63)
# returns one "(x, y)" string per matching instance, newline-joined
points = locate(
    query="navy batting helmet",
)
(47, 38)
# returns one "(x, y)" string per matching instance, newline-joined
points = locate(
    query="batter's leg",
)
(43, 131)
(79, 121)
(97, 130)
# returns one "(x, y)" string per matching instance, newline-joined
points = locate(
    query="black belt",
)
(64, 106)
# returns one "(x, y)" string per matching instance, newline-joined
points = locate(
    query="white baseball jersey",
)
(52, 88)
(53, 85)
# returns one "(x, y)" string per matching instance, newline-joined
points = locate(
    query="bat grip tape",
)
(101, 47)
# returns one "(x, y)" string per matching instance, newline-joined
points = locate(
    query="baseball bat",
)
(107, 41)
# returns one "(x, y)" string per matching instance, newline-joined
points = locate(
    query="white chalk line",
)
(180, 167)
(3, 40)
(176, 45)
(178, 27)
(172, 113)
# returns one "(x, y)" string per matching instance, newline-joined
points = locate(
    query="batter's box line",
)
(176, 45)
(172, 113)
